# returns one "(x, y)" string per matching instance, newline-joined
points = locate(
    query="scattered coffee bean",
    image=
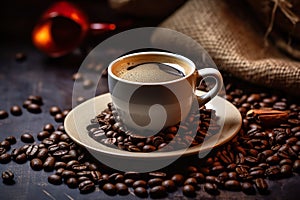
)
(248, 188)
(8, 177)
(211, 188)
(139, 183)
(32, 151)
(189, 191)
(27, 138)
(110, 189)
(86, 186)
(20, 57)
(59, 117)
(155, 182)
(16, 110)
(54, 110)
(36, 164)
(158, 192)
(49, 164)
(141, 192)
(42, 135)
(178, 179)
(49, 127)
(5, 158)
(72, 182)
(34, 108)
(233, 185)
(3, 114)
(26, 103)
(11, 139)
(169, 185)
(5, 144)
(21, 158)
(122, 189)
(261, 185)
(55, 179)
(2, 150)
(35, 99)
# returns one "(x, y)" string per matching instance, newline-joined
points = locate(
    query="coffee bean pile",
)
(258, 154)
(108, 130)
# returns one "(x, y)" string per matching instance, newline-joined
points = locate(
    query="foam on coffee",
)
(150, 69)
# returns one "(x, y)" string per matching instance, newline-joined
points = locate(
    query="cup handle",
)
(210, 72)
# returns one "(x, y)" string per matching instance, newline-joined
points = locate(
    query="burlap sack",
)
(230, 34)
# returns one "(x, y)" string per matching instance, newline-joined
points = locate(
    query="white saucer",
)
(78, 119)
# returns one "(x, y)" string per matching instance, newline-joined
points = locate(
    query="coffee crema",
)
(152, 72)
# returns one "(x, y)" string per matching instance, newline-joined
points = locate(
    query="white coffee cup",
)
(148, 107)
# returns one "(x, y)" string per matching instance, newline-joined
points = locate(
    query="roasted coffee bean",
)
(55, 179)
(198, 176)
(42, 135)
(139, 183)
(178, 179)
(233, 185)
(21, 158)
(296, 166)
(257, 173)
(122, 189)
(5, 158)
(59, 171)
(189, 191)
(36, 164)
(26, 103)
(95, 175)
(27, 138)
(72, 182)
(286, 170)
(3, 114)
(42, 153)
(54, 110)
(16, 110)
(261, 185)
(154, 182)
(60, 152)
(86, 186)
(211, 188)
(210, 179)
(5, 144)
(191, 181)
(49, 127)
(79, 167)
(232, 175)
(273, 172)
(70, 164)
(11, 139)
(35, 99)
(34, 108)
(132, 175)
(32, 151)
(248, 188)
(49, 164)
(149, 148)
(109, 189)
(68, 174)
(141, 192)
(8, 177)
(169, 185)
(59, 117)
(129, 182)
(2, 150)
(83, 178)
(158, 192)
(15, 153)
(59, 164)
(286, 162)
(157, 175)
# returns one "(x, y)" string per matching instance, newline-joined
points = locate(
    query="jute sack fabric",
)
(229, 33)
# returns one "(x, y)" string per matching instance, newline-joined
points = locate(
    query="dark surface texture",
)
(52, 79)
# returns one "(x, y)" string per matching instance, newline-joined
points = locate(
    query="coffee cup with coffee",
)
(153, 90)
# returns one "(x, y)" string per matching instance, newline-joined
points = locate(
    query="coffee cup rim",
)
(174, 55)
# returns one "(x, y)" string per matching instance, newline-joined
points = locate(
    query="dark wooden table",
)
(52, 79)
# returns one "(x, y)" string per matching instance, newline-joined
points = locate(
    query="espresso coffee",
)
(152, 72)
